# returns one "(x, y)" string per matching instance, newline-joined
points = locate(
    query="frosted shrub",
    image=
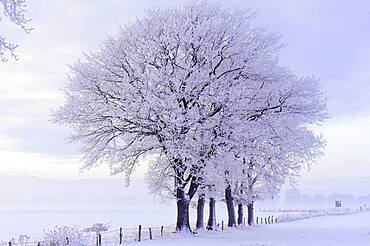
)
(64, 236)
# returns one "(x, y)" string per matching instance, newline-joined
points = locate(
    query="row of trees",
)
(200, 92)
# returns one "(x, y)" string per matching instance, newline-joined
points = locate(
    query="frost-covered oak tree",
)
(262, 150)
(278, 154)
(15, 11)
(174, 86)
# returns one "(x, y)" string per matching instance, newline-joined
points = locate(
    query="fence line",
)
(106, 238)
(123, 235)
(306, 214)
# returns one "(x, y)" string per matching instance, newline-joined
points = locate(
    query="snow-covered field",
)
(83, 203)
(349, 230)
(346, 230)
(34, 222)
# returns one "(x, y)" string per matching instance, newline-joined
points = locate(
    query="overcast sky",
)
(328, 39)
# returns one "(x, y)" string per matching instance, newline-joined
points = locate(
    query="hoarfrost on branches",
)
(15, 11)
(200, 91)
(65, 236)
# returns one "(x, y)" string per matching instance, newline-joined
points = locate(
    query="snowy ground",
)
(348, 230)
(30, 206)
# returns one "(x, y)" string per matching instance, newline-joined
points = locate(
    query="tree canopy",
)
(200, 89)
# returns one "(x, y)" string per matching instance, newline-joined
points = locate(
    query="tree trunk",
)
(183, 198)
(230, 207)
(211, 225)
(200, 212)
(250, 214)
(240, 214)
(183, 223)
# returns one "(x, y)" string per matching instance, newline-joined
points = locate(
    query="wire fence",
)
(300, 214)
(125, 235)
(105, 238)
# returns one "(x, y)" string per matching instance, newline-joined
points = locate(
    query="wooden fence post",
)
(265, 220)
(272, 219)
(120, 235)
(276, 220)
(257, 220)
(161, 231)
(268, 219)
(99, 239)
(222, 225)
(139, 233)
(261, 221)
(150, 233)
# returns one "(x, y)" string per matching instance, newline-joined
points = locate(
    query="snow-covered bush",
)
(64, 236)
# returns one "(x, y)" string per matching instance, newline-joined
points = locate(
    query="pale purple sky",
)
(328, 39)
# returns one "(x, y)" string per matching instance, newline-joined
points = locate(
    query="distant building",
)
(338, 204)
